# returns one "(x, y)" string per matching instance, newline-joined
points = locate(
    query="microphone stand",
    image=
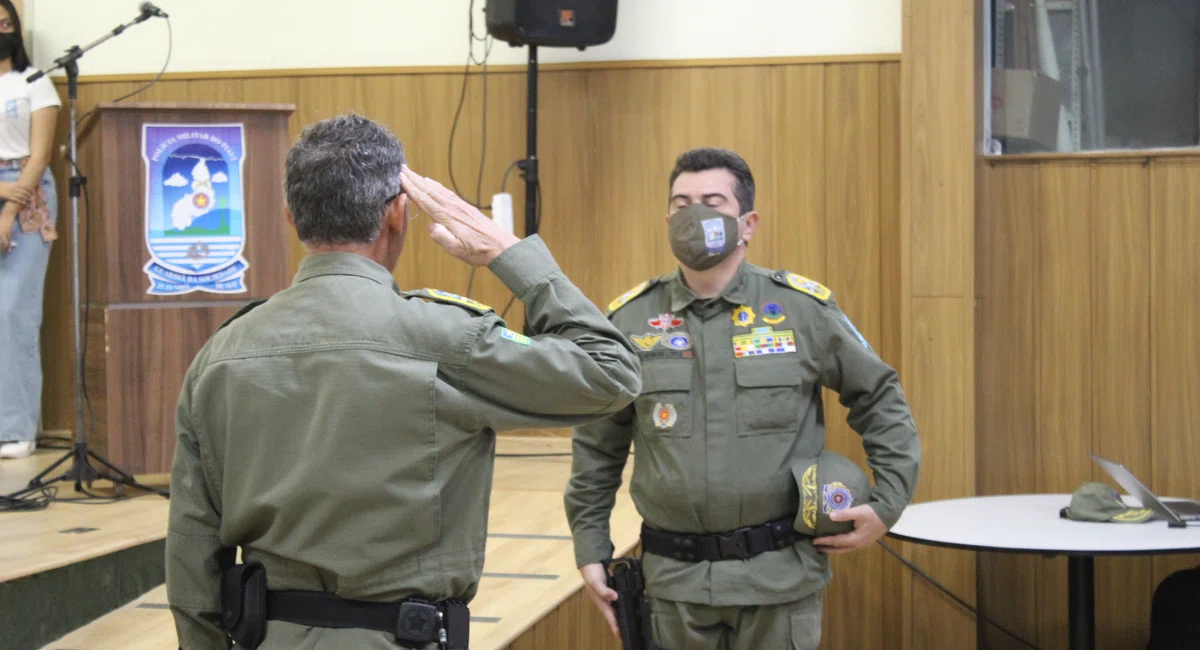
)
(529, 166)
(81, 471)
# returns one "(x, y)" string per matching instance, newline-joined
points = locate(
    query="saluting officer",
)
(341, 433)
(734, 360)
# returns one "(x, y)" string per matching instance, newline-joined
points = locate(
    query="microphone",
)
(148, 9)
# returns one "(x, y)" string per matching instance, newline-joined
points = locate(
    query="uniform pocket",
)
(806, 628)
(769, 396)
(665, 407)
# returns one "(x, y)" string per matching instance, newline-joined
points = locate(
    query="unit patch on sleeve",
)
(515, 337)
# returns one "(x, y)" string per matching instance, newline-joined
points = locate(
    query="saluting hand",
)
(460, 228)
(868, 527)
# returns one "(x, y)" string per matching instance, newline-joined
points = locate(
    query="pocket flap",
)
(758, 373)
(666, 375)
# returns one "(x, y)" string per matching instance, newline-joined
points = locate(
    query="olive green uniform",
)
(342, 434)
(731, 399)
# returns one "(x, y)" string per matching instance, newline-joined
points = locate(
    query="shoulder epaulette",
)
(803, 285)
(624, 298)
(447, 297)
(242, 312)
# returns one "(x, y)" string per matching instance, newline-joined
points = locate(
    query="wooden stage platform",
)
(530, 596)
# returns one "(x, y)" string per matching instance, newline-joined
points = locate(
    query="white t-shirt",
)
(18, 100)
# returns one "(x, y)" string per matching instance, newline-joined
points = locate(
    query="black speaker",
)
(553, 23)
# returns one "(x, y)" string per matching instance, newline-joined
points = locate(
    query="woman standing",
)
(28, 204)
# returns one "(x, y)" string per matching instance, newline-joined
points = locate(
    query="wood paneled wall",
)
(824, 140)
(939, 126)
(1088, 335)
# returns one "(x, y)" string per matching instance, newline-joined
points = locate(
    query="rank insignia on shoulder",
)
(245, 309)
(620, 300)
(515, 337)
(446, 296)
(804, 285)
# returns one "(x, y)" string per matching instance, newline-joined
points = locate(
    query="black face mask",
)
(9, 44)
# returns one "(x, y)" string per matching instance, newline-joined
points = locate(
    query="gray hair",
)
(340, 174)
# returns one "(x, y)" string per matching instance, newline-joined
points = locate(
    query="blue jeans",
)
(22, 281)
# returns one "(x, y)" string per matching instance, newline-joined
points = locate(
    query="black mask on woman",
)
(9, 43)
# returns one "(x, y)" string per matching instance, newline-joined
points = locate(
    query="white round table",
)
(1030, 523)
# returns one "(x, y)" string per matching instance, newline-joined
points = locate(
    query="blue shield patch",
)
(195, 220)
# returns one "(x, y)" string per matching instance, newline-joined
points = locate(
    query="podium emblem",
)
(195, 220)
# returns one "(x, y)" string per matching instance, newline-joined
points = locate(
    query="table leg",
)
(1081, 576)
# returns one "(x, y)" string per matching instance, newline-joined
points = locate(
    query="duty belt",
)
(414, 622)
(247, 605)
(738, 544)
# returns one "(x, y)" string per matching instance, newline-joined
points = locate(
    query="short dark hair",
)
(705, 158)
(20, 57)
(340, 175)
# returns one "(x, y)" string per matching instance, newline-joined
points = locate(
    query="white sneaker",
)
(17, 449)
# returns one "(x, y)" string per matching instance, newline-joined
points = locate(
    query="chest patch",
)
(743, 316)
(665, 322)
(664, 415)
(678, 342)
(773, 313)
(762, 341)
(646, 341)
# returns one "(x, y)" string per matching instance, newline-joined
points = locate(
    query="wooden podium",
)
(187, 225)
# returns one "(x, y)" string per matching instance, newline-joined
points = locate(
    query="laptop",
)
(1175, 511)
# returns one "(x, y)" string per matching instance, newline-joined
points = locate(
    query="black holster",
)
(244, 604)
(624, 576)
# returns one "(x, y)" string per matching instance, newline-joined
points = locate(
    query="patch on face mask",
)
(664, 415)
(763, 341)
(646, 341)
(714, 234)
(773, 313)
(743, 316)
(665, 322)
